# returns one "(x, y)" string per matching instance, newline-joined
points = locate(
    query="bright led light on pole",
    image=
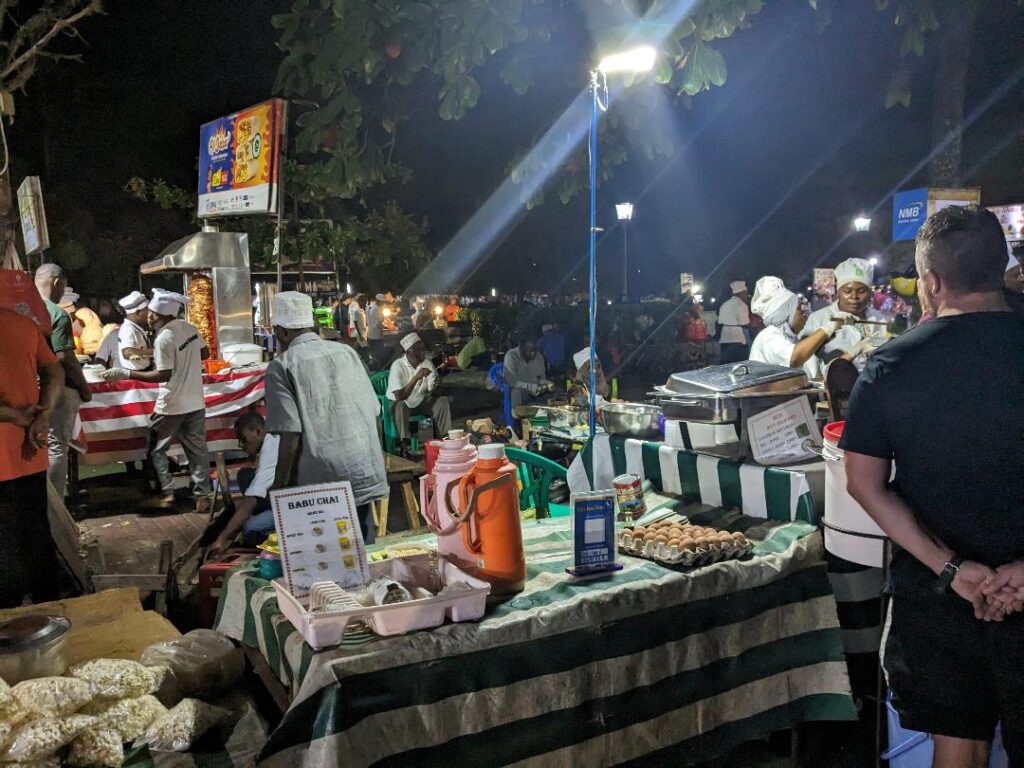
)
(873, 261)
(639, 59)
(494, 291)
(862, 223)
(624, 211)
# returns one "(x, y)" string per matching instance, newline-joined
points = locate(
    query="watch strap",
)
(949, 572)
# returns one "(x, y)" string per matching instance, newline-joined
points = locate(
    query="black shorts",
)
(954, 675)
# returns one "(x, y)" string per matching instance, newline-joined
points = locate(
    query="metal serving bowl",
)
(633, 419)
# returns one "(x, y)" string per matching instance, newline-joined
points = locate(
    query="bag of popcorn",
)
(117, 678)
(97, 746)
(41, 738)
(181, 726)
(52, 696)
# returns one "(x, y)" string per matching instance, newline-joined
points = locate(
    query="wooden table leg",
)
(412, 505)
(379, 510)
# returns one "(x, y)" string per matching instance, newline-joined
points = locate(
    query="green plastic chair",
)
(535, 475)
(379, 381)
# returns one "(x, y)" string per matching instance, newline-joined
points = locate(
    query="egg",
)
(661, 538)
(648, 537)
(687, 544)
(639, 530)
(674, 542)
(701, 542)
(725, 538)
(739, 537)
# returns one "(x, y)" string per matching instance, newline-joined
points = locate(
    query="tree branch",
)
(42, 42)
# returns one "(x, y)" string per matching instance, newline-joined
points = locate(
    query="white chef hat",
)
(167, 303)
(773, 301)
(581, 357)
(738, 286)
(292, 310)
(1011, 259)
(408, 340)
(69, 298)
(854, 271)
(381, 297)
(133, 302)
(547, 327)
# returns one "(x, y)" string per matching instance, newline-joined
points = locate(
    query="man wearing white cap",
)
(784, 315)
(322, 407)
(178, 354)
(375, 330)
(734, 317)
(131, 345)
(854, 340)
(412, 387)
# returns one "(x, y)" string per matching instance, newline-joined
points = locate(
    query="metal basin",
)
(633, 419)
(565, 417)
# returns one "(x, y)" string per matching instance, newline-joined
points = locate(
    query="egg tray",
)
(663, 553)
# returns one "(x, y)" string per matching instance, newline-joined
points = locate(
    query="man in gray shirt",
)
(322, 406)
(525, 373)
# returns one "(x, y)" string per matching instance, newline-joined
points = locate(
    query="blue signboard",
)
(593, 533)
(909, 210)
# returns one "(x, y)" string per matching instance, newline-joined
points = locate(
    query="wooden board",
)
(106, 624)
(130, 543)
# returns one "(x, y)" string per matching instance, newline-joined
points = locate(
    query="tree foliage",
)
(29, 37)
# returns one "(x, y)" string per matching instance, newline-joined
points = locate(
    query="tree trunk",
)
(956, 19)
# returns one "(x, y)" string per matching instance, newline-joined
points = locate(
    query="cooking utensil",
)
(33, 646)
(858, 321)
(634, 419)
(565, 416)
(737, 379)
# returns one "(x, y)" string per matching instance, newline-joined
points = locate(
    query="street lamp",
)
(633, 60)
(625, 212)
(862, 223)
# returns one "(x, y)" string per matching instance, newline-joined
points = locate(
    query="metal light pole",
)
(635, 60)
(625, 212)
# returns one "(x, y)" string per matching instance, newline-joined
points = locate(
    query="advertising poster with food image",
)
(239, 161)
(824, 283)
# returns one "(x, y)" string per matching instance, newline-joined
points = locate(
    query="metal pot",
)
(633, 419)
(33, 646)
(566, 416)
(744, 378)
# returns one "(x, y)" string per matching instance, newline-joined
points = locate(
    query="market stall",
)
(681, 664)
(115, 424)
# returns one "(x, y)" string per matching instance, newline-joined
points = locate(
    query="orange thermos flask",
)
(490, 528)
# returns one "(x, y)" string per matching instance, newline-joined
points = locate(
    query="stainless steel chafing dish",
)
(730, 394)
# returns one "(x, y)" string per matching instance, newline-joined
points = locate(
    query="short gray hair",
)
(50, 272)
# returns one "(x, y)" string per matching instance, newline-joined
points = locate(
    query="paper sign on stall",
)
(784, 434)
(318, 529)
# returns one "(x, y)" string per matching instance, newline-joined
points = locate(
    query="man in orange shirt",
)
(28, 556)
(451, 312)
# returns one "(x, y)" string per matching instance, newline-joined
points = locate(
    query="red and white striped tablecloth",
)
(115, 425)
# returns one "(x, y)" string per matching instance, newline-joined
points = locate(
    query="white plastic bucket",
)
(843, 512)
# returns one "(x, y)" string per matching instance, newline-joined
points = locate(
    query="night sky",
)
(776, 162)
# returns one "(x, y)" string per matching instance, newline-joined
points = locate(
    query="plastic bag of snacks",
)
(6, 698)
(128, 717)
(43, 737)
(97, 746)
(9, 725)
(204, 663)
(181, 726)
(117, 678)
(51, 696)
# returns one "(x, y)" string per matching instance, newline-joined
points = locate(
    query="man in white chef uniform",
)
(734, 317)
(412, 388)
(854, 340)
(180, 412)
(130, 347)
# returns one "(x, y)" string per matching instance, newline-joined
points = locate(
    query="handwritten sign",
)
(320, 538)
(784, 434)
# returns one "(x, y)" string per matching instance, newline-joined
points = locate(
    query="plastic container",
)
(241, 354)
(33, 646)
(492, 532)
(913, 749)
(439, 503)
(270, 566)
(211, 579)
(842, 511)
(327, 628)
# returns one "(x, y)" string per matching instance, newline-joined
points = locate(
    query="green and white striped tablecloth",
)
(765, 492)
(651, 665)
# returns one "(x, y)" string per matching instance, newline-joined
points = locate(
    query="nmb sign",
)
(912, 206)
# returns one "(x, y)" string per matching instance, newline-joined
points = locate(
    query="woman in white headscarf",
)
(784, 316)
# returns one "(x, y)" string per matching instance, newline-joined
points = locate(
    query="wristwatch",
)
(949, 572)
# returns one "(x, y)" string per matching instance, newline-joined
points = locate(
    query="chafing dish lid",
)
(736, 378)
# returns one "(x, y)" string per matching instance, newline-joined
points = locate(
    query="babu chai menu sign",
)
(239, 161)
(320, 538)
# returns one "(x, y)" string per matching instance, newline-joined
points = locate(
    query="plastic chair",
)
(497, 377)
(379, 381)
(535, 475)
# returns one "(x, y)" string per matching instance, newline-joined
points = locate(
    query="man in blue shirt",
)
(552, 347)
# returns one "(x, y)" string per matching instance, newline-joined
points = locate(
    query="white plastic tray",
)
(327, 628)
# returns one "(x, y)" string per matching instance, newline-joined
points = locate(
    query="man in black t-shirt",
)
(945, 403)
